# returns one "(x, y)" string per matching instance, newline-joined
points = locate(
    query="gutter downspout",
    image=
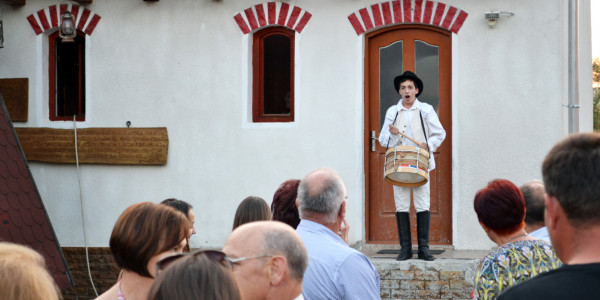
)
(573, 66)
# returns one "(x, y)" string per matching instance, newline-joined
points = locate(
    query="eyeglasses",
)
(212, 254)
(233, 261)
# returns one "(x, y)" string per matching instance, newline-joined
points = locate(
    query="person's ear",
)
(551, 214)
(342, 212)
(278, 268)
(297, 203)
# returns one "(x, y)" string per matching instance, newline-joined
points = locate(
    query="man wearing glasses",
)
(267, 259)
(335, 270)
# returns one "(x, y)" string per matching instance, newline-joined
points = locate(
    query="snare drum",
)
(406, 166)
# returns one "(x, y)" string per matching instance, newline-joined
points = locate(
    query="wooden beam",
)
(23, 2)
(13, 2)
(120, 146)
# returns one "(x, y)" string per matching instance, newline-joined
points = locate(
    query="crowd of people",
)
(547, 233)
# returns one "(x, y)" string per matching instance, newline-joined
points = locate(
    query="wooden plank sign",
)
(120, 146)
(15, 92)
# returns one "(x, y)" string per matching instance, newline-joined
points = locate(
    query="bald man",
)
(268, 260)
(335, 270)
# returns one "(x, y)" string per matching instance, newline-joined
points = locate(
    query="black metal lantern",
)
(67, 31)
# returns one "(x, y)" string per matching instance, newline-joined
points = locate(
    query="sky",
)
(595, 28)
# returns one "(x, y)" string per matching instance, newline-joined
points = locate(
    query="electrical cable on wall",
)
(87, 257)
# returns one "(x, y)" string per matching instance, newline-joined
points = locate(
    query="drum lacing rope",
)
(417, 156)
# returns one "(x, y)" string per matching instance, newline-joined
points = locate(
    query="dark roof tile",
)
(16, 218)
(13, 201)
(24, 185)
(3, 169)
(27, 234)
(27, 218)
(3, 203)
(13, 169)
(23, 217)
(25, 200)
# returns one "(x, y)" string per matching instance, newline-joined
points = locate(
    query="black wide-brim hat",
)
(409, 75)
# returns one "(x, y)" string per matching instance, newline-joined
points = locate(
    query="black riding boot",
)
(423, 219)
(403, 223)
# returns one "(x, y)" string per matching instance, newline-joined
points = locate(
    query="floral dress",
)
(513, 263)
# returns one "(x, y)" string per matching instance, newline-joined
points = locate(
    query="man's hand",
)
(394, 130)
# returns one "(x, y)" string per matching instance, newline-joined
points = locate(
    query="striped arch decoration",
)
(272, 13)
(48, 18)
(407, 11)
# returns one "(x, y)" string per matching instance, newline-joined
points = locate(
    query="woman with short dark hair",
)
(144, 234)
(500, 209)
(283, 206)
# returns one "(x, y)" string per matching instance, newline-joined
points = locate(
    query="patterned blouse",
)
(513, 263)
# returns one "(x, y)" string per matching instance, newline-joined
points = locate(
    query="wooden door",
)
(426, 51)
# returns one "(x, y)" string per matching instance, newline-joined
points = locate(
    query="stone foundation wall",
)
(417, 279)
(412, 279)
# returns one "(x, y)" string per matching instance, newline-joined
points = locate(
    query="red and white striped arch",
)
(272, 13)
(407, 11)
(48, 18)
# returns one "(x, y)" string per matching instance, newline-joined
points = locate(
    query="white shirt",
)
(437, 134)
(541, 233)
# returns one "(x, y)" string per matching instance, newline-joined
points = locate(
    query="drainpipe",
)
(573, 66)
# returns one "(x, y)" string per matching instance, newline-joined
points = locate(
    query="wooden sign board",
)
(120, 146)
(15, 92)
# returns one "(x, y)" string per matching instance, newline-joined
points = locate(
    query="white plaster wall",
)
(184, 65)
(507, 102)
(508, 113)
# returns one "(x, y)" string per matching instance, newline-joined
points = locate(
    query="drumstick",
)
(406, 136)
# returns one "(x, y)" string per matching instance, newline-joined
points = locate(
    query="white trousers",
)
(420, 197)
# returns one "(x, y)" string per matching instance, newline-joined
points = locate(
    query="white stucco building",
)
(187, 65)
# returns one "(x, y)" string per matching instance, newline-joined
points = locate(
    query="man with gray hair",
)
(267, 260)
(335, 270)
(534, 193)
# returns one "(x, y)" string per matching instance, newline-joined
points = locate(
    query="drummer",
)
(419, 122)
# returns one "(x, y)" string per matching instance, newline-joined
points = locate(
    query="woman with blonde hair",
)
(24, 276)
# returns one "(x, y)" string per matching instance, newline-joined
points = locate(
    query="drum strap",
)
(423, 126)
(389, 138)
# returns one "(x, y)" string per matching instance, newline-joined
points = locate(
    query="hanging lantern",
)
(67, 29)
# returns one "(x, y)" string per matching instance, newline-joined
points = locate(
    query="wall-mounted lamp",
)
(493, 16)
(67, 31)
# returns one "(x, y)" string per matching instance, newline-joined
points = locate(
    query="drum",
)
(406, 166)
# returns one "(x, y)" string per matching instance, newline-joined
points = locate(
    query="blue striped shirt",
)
(335, 270)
